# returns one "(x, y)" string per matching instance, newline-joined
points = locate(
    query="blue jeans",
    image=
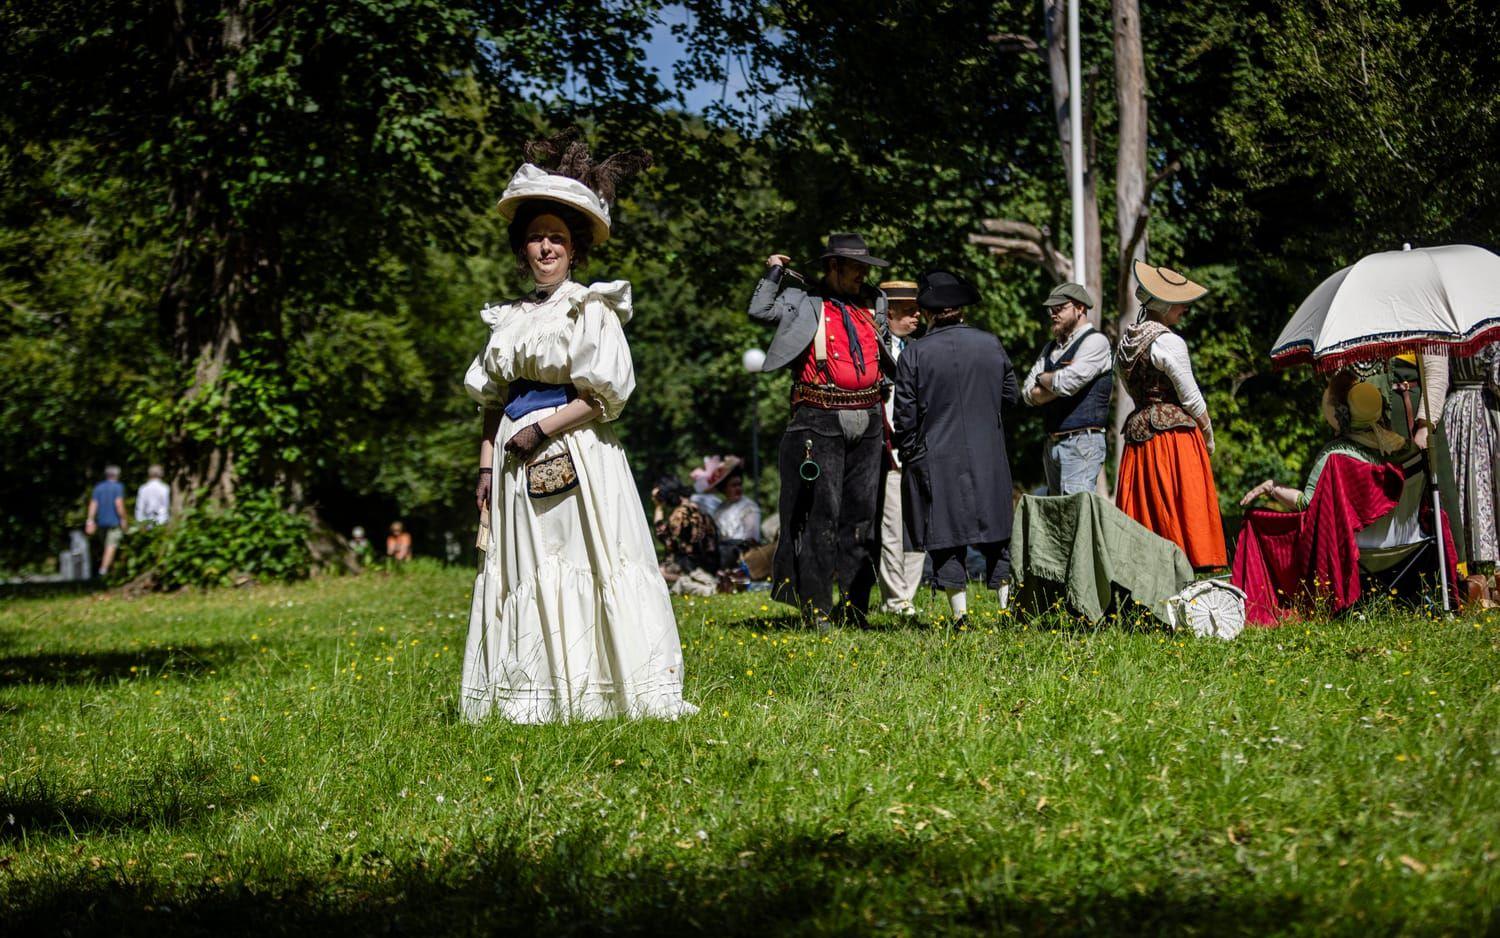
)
(1073, 462)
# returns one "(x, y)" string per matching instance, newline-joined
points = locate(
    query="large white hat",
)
(533, 182)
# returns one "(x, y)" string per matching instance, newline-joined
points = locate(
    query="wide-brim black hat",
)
(942, 289)
(851, 247)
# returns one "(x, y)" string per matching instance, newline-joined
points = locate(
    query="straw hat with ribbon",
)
(1165, 286)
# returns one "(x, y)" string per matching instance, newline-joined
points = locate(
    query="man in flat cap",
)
(1071, 384)
(829, 334)
(900, 569)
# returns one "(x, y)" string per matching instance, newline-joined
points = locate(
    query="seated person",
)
(1356, 411)
(738, 516)
(685, 530)
(398, 543)
(1355, 529)
(702, 495)
(360, 545)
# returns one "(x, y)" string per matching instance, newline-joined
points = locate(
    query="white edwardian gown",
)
(571, 618)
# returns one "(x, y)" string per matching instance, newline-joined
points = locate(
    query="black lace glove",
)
(526, 441)
(482, 488)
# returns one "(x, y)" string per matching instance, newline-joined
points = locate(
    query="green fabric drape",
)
(1081, 548)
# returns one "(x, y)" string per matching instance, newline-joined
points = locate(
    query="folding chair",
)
(1395, 554)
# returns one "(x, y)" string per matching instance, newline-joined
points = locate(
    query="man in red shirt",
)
(828, 334)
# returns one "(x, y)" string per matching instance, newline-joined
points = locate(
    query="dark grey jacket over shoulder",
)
(794, 311)
(951, 388)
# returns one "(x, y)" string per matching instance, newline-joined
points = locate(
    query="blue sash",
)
(526, 396)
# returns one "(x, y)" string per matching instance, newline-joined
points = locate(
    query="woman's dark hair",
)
(579, 230)
(669, 490)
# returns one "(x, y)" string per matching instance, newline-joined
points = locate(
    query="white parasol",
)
(1444, 300)
(1441, 299)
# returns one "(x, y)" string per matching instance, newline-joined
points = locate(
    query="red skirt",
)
(1167, 484)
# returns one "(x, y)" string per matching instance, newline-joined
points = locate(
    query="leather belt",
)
(1074, 432)
(833, 398)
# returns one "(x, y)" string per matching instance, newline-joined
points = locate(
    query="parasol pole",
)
(1432, 479)
(1432, 482)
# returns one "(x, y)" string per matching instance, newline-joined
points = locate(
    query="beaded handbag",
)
(551, 475)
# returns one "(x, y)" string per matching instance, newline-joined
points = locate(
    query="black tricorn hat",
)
(851, 247)
(942, 289)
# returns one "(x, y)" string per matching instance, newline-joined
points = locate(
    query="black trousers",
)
(830, 526)
(950, 572)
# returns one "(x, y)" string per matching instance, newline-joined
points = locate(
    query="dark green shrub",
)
(257, 537)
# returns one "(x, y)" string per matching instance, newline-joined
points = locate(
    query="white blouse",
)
(1169, 353)
(739, 520)
(574, 337)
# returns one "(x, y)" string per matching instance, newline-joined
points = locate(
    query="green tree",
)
(292, 146)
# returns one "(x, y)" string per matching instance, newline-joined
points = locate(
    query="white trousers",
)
(900, 569)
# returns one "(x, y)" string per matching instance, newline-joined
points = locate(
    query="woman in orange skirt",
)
(1166, 481)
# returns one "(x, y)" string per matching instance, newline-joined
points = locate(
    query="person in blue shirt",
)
(107, 513)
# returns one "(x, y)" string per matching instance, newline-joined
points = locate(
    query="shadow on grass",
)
(86, 667)
(174, 795)
(798, 883)
(1043, 603)
(48, 590)
(792, 622)
(787, 621)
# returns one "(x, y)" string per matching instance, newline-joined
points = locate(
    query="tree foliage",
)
(251, 238)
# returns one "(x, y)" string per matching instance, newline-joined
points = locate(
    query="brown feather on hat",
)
(565, 154)
(604, 177)
(548, 151)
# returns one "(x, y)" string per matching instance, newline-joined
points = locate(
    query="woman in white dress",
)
(571, 618)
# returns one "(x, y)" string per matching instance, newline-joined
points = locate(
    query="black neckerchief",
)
(856, 350)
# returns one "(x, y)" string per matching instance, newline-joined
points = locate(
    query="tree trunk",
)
(1055, 16)
(223, 282)
(1131, 193)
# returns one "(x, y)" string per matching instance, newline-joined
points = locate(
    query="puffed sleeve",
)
(598, 355)
(483, 388)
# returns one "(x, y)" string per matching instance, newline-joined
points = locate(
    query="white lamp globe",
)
(753, 360)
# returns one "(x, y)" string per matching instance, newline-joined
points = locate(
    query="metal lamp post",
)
(753, 360)
(1075, 145)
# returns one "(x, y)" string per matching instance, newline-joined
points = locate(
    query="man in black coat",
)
(951, 386)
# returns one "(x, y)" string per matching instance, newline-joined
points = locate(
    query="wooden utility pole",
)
(1133, 181)
(1033, 243)
(1130, 179)
(1133, 184)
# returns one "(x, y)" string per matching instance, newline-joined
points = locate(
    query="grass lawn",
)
(287, 759)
